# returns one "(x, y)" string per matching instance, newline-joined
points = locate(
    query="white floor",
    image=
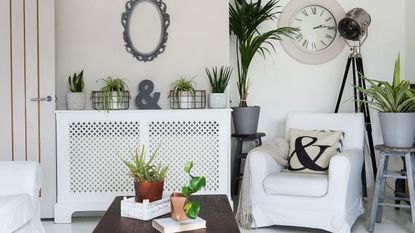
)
(394, 221)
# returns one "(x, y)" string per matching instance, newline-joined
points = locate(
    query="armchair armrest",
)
(345, 176)
(20, 177)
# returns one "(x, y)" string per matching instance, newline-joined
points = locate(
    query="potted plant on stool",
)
(396, 105)
(245, 20)
(148, 177)
(218, 81)
(76, 98)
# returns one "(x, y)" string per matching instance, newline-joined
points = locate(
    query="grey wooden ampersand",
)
(144, 100)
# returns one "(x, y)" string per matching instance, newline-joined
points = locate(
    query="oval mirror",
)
(145, 25)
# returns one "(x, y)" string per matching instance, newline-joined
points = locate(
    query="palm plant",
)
(386, 97)
(219, 79)
(245, 20)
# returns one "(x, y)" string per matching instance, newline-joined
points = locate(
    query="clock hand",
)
(323, 26)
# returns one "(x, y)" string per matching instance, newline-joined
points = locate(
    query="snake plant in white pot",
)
(218, 79)
(396, 105)
(75, 99)
(246, 18)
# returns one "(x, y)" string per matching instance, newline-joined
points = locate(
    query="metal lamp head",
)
(354, 26)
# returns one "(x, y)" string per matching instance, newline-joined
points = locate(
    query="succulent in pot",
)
(184, 92)
(76, 99)
(182, 207)
(218, 80)
(148, 176)
(396, 105)
(113, 94)
(246, 17)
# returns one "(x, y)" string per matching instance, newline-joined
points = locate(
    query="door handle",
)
(47, 99)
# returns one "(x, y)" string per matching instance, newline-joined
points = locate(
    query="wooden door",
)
(27, 89)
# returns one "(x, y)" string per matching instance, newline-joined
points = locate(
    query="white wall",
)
(410, 39)
(281, 84)
(89, 37)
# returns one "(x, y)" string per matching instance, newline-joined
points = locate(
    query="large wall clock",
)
(318, 40)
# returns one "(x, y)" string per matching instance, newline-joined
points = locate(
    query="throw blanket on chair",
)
(278, 149)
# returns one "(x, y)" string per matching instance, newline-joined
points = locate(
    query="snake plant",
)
(219, 79)
(76, 82)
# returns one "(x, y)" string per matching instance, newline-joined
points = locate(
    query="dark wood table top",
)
(215, 209)
(395, 149)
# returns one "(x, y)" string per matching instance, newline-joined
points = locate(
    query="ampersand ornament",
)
(144, 100)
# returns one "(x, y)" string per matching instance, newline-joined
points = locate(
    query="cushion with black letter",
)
(311, 150)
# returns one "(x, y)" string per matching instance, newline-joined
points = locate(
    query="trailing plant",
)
(245, 20)
(76, 82)
(192, 208)
(386, 97)
(112, 85)
(143, 171)
(219, 79)
(183, 84)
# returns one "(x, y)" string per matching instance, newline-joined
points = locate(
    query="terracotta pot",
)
(178, 201)
(148, 190)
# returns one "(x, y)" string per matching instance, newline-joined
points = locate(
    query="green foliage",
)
(143, 171)
(112, 85)
(245, 20)
(183, 84)
(196, 183)
(384, 97)
(219, 79)
(76, 82)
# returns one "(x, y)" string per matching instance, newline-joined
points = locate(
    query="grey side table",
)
(383, 173)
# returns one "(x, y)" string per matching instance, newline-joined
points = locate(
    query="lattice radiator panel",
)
(91, 143)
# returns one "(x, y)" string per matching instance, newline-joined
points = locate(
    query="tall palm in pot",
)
(246, 18)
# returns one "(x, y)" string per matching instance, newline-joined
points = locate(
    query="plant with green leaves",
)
(192, 208)
(219, 79)
(76, 82)
(183, 84)
(245, 20)
(143, 171)
(112, 85)
(386, 97)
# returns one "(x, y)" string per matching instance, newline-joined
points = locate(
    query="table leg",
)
(375, 202)
(382, 190)
(410, 177)
(236, 167)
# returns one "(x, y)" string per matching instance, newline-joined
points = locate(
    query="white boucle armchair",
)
(332, 201)
(20, 184)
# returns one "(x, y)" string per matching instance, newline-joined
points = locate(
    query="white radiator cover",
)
(89, 144)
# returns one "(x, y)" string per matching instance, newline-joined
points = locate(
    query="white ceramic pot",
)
(398, 128)
(218, 100)
(76, 100)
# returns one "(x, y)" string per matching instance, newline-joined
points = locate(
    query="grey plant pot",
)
(76, 100)
(398, 129)
(245, 119)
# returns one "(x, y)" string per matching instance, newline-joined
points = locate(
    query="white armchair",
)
(20, 183)
(330, 202)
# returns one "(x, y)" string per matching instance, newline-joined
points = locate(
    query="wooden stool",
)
(383, 173)
(239, 155)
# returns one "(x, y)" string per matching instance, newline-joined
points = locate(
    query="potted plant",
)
(245, 20)
(148, 177)
(113, 94)
(75, 99)
(218, 81)
(396, 105)
(184, 91)
(182, 207)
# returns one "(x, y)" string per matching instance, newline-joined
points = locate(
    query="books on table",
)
(168, 225)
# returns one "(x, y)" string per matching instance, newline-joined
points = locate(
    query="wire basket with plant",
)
(114, 95)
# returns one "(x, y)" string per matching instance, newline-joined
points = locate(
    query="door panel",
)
(27, 70)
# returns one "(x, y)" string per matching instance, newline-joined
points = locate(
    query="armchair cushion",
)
(311, 150)
(296, 184)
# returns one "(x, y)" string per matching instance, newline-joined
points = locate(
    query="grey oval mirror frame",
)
(165, 22)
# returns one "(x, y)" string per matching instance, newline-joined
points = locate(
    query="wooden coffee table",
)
(215, 209)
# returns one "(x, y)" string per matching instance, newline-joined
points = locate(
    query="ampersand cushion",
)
(311, 150)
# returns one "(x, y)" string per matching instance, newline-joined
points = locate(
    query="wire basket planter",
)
(110, 101)
(187, 100)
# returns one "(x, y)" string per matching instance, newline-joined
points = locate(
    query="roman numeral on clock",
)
(305, 43)
(299, 37)
(329, 36)
(313, 46)
(328, 19)
(314, 10)
(323, 43)
(304, 12)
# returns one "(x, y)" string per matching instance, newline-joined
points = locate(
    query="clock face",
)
(318, 28)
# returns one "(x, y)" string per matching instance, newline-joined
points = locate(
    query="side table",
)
(383, 173)
(239, 155)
